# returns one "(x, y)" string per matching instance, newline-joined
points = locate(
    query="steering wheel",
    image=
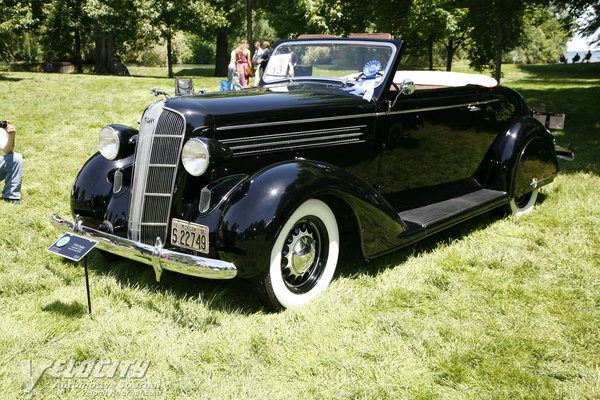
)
(361, 76)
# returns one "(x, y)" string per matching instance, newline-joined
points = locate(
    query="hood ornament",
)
(157, 93)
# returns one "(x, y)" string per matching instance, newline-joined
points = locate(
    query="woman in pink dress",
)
(242, 59)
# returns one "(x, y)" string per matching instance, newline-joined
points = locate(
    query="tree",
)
(544, 38)
(456, 32)
(582, 16)
(63, 37)
(16, 16)
(113, 23)
(163, 18)
(291, 18)
(440, 21)
(249, 20)
(232, 12)
(497, 28)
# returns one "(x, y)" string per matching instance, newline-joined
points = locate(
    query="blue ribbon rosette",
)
(366, 86)
(371, 69)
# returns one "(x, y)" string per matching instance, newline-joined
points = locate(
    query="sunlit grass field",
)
(497, 308)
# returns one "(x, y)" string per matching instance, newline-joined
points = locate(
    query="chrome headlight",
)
(195, 157)
(109, 143)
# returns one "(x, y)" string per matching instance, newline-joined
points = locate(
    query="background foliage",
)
(496, 308)
(205, 31)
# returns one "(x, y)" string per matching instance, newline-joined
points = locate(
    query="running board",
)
(438, 216)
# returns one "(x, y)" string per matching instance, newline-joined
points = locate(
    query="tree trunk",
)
(249, 22)
(5, 52)
(450, 53)
(499, 43)
(169, 56)
(104, 61)
(498, 70)
(109, 60)
(99, 52)
(430, 51)
(77, 60)
(222, 53)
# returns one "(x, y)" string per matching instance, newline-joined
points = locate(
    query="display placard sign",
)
(72, 246)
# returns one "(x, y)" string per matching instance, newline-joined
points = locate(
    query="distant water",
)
(571, 54)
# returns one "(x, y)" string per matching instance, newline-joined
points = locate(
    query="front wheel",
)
(303, 258)
(523, 204)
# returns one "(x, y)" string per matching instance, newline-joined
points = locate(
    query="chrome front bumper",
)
(160, 259)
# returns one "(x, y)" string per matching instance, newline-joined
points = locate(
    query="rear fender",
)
(529, 157)
(524, 159)
(255, 213)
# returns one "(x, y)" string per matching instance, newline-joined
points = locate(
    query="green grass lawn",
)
(499, 307)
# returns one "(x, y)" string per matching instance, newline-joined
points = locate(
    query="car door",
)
(433, 142)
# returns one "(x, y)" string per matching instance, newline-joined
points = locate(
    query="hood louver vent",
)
(294, 140)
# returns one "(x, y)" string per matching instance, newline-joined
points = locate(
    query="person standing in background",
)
(231, 66)
(242, 60)
(11, 164)
(265, 56)
(256, 58)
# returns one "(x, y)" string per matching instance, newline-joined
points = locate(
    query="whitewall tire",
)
(303, 258)
(524, 204)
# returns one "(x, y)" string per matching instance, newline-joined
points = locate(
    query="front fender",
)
(92, 189)
(253, 217)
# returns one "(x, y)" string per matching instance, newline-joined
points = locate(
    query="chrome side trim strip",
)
(476, 103)
(345, 117)
(299, 147)
(156, 255)
(295, 121)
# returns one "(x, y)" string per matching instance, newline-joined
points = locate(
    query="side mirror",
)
(407, 87)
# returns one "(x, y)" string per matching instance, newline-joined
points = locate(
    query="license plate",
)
(189, 235)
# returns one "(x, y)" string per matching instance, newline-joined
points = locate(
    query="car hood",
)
(269, 104)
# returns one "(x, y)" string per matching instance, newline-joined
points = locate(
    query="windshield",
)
(343, 61)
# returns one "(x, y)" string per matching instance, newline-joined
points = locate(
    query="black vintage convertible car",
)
(259, 183)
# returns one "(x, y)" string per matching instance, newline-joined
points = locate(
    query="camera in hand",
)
(3, 124)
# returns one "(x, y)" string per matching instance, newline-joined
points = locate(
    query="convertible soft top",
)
(444, 79)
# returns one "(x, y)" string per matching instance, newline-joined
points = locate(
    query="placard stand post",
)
(75, 248)
(87, 286)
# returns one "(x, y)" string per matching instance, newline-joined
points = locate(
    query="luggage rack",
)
(549, 120)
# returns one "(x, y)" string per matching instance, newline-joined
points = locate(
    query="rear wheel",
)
(523, 204)
(303, 258)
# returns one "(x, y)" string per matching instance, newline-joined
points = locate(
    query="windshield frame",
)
(394, 45)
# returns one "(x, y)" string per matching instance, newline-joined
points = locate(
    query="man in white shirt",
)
(256, 59)
(11, 164)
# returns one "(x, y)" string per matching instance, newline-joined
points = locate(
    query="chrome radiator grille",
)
(156, 159)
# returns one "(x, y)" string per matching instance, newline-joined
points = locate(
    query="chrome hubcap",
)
(301, 253)
(301, 256)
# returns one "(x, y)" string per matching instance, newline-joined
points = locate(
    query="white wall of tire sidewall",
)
(319, 209)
